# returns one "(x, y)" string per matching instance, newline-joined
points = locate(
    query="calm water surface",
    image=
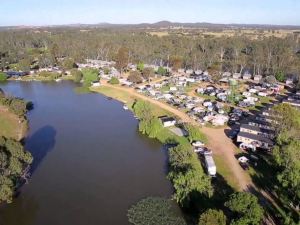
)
(90, 162)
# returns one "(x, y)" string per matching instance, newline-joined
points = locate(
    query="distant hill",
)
(166, 24)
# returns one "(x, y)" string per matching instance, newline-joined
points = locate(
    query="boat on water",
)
(125, 107)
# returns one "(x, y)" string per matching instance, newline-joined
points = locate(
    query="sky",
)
(57, 12)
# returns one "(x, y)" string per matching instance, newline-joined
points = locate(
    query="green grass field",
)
(126, 98)
(9, 125)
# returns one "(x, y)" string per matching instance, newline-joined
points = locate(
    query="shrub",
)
(245, 206)
(135, 77)
(162, 71)
(195, 134)
(89, 76)
(114, 80)
(3, 77)
(77, 75)
(212, 217)
(154, 211)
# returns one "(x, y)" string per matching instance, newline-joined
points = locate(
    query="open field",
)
(253, 34)
(10, 126)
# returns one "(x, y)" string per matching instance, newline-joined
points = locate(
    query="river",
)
(90, 161)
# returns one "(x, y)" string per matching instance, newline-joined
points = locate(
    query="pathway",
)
(218, 141)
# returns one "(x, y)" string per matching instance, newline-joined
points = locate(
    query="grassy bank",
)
(126, 98)
(226, 172)
(165, 134)
(11, 126)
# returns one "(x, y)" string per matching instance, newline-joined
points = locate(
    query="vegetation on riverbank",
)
(13, 123)
(192, 185)
(154, 211)
(14, 162)
(14, 159)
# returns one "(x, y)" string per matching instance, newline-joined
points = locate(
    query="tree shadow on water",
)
(39, 144)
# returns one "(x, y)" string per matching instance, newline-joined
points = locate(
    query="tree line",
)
(286, 159)
(27, 49)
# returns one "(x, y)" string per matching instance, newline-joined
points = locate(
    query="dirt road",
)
(218, 141)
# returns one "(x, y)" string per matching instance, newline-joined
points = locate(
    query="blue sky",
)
(50, 12)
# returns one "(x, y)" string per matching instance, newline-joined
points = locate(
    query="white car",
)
(243, 159)
(198, 144)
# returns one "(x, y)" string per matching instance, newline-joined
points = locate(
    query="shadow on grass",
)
(263, 175)
(200, 203)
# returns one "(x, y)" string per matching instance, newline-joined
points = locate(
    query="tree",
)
(135, 77)
(77, 75)
(280, 76)
(6, 189)
(3, 77)
(162, 71)
(287, 158)
(13, 160)
(150, 127)
(154, 211)
(140, 66)
(69, 64)
(106, 70)
(142, 109)
(147, 73)
(187, 175)
(89, 76)
(246, 208)
(24, 65)
(215, 75)
(54, 51)
(270, 80)
(122, 59)
(176, 62)
(114, 80)
(195, 134)
(212, 217)
(287, 123)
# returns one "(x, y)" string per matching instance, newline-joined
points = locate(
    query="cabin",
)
(257, 78)
(226, 74)
(219, 120)
(262, 94)
(257, 131)
(95, 84)
(247, 76)
(189, 71)
(236, 76)
(261, 124)
(167, 121)
(198, 72)
(289, 81)
(255, 140)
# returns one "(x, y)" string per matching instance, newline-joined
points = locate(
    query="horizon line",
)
(153, 23)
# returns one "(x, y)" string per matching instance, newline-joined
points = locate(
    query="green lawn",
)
(125, 97)
(226, 172)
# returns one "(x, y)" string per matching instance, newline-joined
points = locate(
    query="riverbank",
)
(223, 149)
(11, 126)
